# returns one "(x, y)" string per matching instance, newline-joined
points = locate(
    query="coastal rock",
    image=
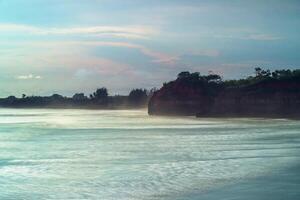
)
(266, 98)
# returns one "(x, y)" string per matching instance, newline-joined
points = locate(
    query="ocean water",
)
(88, 154)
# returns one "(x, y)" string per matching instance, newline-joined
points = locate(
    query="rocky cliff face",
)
(182, 98)
(265, 99)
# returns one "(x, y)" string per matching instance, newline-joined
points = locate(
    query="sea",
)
(129, 155)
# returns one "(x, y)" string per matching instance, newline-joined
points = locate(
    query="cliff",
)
(267, 97)
(181, 98)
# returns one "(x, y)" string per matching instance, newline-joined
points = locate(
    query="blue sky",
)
(68, 46)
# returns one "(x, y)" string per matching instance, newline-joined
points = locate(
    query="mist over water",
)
(88, 154)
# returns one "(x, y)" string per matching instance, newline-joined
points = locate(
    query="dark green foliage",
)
(99, 99)
(101, 93)
(196, 77)
(213, 78)
(286, 74)
(260, 73)
(211, 84)
(57, 97)
(184, 75)
(138, 96)
(79, 97)
(265, 75)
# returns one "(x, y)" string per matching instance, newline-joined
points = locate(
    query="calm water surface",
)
(85, 154)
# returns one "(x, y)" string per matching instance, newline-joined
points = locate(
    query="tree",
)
(57, 97)
(152, 91)
(101, 93)
(282, 74)
(261, 74)
(213, 78)
(195, 76)
(79, 97)
(183, 75)
(138, 96)
(266, 73)
(258, 71)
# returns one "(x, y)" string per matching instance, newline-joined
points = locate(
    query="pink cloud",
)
(156, 56)
(135, 32)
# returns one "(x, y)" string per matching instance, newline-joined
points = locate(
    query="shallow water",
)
(85, 154)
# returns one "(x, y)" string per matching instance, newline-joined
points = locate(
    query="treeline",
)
(137, 98)
(260, 75)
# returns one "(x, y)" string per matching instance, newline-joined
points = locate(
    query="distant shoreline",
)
(137, 98)
(268, 94)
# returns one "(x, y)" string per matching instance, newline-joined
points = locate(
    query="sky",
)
(70, 46)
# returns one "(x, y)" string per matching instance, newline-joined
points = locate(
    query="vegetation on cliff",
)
(264, 94)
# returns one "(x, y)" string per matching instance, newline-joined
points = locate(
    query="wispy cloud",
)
(207, 53)
(263, 37)
(159, 57)
(246, 34)
(156, 56)
(135, 32)
(28, 77)
(80, 48)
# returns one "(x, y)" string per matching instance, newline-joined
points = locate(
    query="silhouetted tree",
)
(152, 91)
(183, 75)
(138, 96)
(101, 93)
(79, 97)
(194, 76)
(262, 74)
(257, 71)
(284, 74)
(296, 72)
(57, 97)
(213, 78)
